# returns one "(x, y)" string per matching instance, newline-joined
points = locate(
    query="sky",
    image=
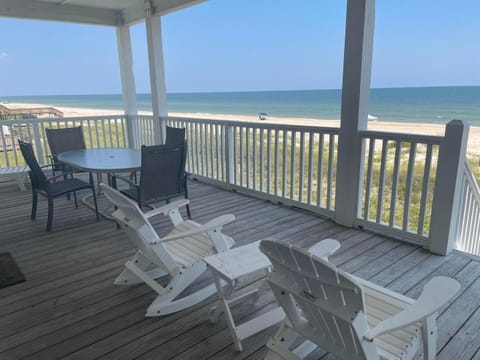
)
(242, 45)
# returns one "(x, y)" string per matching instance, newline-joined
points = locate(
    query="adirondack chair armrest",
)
(165, 209)
(324, 248)
(215, 224)
(436, 293)
(62, 175)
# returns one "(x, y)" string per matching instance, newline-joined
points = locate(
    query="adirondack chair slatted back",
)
(139, 229)
(323, 303)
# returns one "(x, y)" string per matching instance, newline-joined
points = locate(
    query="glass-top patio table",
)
(108, 160)
(100, 161)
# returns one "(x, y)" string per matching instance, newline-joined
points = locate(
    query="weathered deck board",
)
(69, 308)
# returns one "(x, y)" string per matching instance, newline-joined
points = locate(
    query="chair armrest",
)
(62, 175)
(324, 248)
(165, 209)
(49, 165)
(436, 293)
(216, 223)
(128, 181)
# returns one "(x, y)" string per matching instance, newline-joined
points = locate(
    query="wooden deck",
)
(69, 308)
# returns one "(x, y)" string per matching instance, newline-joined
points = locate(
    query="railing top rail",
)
(60, 119)
(385, 135)
(258, 125)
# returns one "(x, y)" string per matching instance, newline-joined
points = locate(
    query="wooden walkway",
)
(70, 309)
(9, 112)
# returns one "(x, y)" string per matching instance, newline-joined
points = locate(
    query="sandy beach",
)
(411, 128)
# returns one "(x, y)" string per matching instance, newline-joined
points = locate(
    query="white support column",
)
(129, 93)
(355, 95)
(157, 71)
(448, 186)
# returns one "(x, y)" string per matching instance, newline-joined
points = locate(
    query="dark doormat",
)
(10, 273)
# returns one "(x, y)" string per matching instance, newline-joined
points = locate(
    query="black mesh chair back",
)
(64, 139)
(38, 178)
(175, 136)
(163, 171)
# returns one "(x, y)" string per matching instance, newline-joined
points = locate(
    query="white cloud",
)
(3, 55)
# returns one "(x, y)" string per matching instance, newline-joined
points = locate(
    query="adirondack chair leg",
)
(278, 350)
(166, 304)
(127, 277)
(163, 307)
(145, 278)
(279, 344)
(429, 337)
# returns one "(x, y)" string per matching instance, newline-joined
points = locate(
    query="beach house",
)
(405, 207)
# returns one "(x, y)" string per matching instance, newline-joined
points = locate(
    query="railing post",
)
(229, 154)
(355, 93)
(38, 142)
(448, 184)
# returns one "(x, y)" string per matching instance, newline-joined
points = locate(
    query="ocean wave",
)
(371, 117)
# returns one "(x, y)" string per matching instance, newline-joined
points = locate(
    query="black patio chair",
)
(49, 188)
(176, 136)
(162, 175)
(61, 140)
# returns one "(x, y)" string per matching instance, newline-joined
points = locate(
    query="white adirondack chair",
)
(178, 255)
(346, 316)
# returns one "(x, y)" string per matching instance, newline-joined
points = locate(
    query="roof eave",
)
(39, 10)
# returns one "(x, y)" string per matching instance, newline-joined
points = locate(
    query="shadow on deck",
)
(69, 308)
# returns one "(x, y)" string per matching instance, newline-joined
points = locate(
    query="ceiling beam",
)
(38, 10)
(136, 12)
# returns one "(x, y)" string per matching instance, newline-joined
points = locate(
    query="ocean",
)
(414, 104)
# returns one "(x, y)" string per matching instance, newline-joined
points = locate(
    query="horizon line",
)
(250, 91)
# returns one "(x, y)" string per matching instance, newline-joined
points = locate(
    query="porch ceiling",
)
(97, 12)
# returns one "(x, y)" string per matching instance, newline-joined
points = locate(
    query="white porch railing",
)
(140, 130)
(285, 163)
(290, 164)
(468, 238)
(397, 186)
(99, 132)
